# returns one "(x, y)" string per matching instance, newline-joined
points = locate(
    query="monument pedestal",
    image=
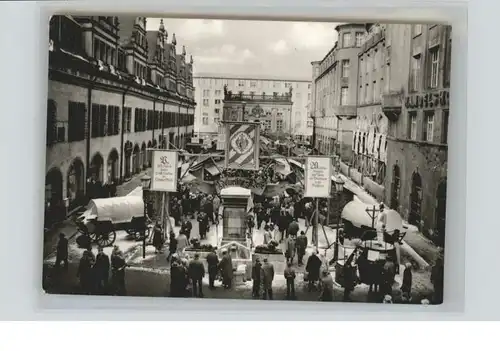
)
(234, 214)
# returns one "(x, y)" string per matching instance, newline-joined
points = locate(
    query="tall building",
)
(335, 91)
(114, 90)
(290, 119)
(417, 106)
(370, 134)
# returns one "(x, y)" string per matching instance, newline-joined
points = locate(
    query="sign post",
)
(318, 184)
(165, 178)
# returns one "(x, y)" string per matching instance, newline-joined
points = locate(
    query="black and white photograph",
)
(252, 160)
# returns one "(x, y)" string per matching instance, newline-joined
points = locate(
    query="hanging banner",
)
(318, 176)
(165, 172)
(242, 145)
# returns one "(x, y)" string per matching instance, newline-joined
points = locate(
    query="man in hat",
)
(213, 263)
(196, 272)
(267, 279)
(226, 269)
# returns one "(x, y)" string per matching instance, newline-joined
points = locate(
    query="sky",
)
(264, 48)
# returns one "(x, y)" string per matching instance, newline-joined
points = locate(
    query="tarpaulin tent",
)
(356, 212)
(116, 209)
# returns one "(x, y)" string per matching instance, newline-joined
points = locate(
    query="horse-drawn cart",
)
(104, 216)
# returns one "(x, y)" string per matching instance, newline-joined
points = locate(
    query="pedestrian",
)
(216, 206)
(203, 225)
(267, 279)
(267, 234)
(186, 227)
(176, 278)
(407, 283)
(290, 249)
(212, 263)
(196, 272)
(313, 267)
(388, 274)
(349, 280)
(290, 281)
(226, 269)
(293, 228)
(85, 273)
(250, 223)
(62, 252)
(208, 208)
(326, 286)
(118, 266)
(158, 238)
(301, 245)
(101, 268)
(256, 278)
(172, 245)
(182, 242)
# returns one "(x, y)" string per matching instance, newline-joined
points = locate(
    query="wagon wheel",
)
(92, 236)
(106, 239)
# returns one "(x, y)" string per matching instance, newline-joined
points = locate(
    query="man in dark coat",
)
(101, 269)
(293, 228)
(226, 269)
(62, 251)
(267, 279)
(176, 279)
(301, 245)
(118, 266)
(196, 272)
(407, 282)
(203, 225)
(208, 208)
(213, 263)
(290, 281)
(186, 227)
(256, 277)
(85, 272)
(313, 267)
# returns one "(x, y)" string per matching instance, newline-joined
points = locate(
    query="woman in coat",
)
(157, 238)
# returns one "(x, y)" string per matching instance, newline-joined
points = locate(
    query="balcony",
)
(229, 96)
(345, 110)
(392, 104)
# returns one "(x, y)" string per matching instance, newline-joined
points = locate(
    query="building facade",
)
(335, 81)
(417, 106)
(114, 91)
(287, 119)
(369, 139)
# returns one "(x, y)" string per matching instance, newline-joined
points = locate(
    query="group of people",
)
(94, 270)
(186, 276)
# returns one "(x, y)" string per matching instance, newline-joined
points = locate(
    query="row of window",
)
(431, 76)
(427, 127)
(105, 121)
(243, 83)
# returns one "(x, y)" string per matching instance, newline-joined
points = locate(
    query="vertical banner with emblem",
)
(242, 145)
(165, 173)
(318, 176)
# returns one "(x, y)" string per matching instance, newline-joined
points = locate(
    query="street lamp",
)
(145, 183)
(339, 188)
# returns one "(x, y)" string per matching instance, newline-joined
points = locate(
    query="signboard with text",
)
(164, 176)
(318, 177)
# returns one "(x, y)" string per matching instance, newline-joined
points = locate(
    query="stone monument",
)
(234, 214)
